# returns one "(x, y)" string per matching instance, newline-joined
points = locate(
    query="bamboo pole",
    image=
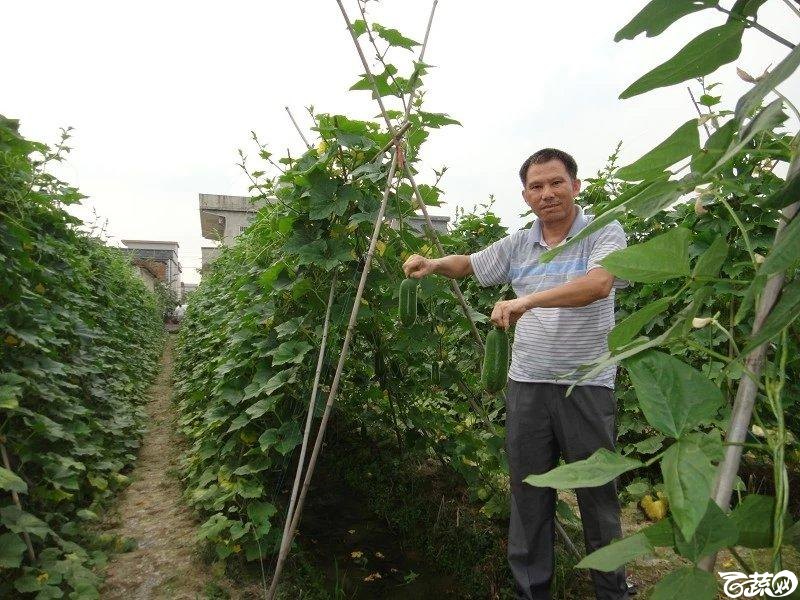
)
(310, 415)
(287, 541)
(748, 386)
(15, 498)
(296, 126)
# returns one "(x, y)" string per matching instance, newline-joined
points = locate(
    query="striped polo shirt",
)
(552, 344)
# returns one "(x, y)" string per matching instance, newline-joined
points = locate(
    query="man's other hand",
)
(417, 266)
(507, 312)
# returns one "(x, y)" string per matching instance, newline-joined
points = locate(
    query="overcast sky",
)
(162, 94)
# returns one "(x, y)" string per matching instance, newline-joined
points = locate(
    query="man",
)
(563, 312)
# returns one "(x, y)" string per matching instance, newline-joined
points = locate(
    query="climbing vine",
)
(80, 339)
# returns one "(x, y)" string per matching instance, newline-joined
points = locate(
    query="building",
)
(418, 223)
(165, 256)
(222, 218)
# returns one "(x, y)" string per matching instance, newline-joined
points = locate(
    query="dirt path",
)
(165, 563)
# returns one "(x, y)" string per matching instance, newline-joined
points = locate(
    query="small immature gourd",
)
(495, 361)
(408, 301)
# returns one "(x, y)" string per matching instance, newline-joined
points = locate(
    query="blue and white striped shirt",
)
(551, 344)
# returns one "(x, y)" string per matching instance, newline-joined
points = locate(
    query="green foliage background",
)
(81, 336)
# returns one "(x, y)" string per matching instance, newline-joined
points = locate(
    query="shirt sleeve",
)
(610, 239)
(491, 265)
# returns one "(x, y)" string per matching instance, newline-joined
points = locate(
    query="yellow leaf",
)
(39, 288)
(11, 340)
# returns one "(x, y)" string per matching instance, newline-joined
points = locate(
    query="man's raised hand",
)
(417, 266)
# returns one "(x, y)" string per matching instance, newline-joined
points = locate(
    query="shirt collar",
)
(581, 220)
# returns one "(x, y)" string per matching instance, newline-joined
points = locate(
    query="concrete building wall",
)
(146, 276)
(222, 219)
(164, 252)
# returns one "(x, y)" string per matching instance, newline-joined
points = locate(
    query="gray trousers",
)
(541, 423)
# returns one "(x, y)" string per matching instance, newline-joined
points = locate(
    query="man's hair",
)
(546, 155)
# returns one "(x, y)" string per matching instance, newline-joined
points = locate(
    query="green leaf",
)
(661, 534)
(785, 252)
(288, 327)
(394, 37)
(19, 521)
(785, 312)
(702, 56)
(754, 519)
(260, 514)
(711, 261)
(627, 329)
(12, 482)
(11, 550)
(782, 198)
(600, 468)
(715, 531)
(658, 15)
(262, 406)
(436, 120)
(683, 142)
(716, 146)
(279, 380)
(688, 477)
(688, 582)
(768, 118)
(359, 27)
(673, 396)
(752, 99)
(289, 435)
(289, 352)
(213, 527)
(616, 554)
(665, 256)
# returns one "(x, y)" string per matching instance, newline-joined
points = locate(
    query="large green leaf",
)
(660, 195)
(711, 261)
(683, 142)
(754, 518)
(768, 118)
(752, 99)
(661, 534)
(616, 554)
(12, 482)
(665, 256)
(629, 327)
(785, 312)
(685, 583)
(688, 477)
(703, 55)
(785, 252)
(18, 521)
(260, 514)
(394, 37)
(715, 531)
(11, 551)
(292, 351)
(658, 15)
(673, 396)
(716, 146)
(600, 468)
(786, 195)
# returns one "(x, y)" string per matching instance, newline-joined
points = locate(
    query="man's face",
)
(550, 191)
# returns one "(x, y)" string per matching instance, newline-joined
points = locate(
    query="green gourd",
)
(436, 377)
(495, 361)
(408, 301)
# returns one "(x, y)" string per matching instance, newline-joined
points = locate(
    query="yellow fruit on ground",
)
(654, 509)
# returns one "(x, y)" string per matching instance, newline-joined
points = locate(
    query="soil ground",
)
(166, 562)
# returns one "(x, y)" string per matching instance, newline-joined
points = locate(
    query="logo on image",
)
(758, 585)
